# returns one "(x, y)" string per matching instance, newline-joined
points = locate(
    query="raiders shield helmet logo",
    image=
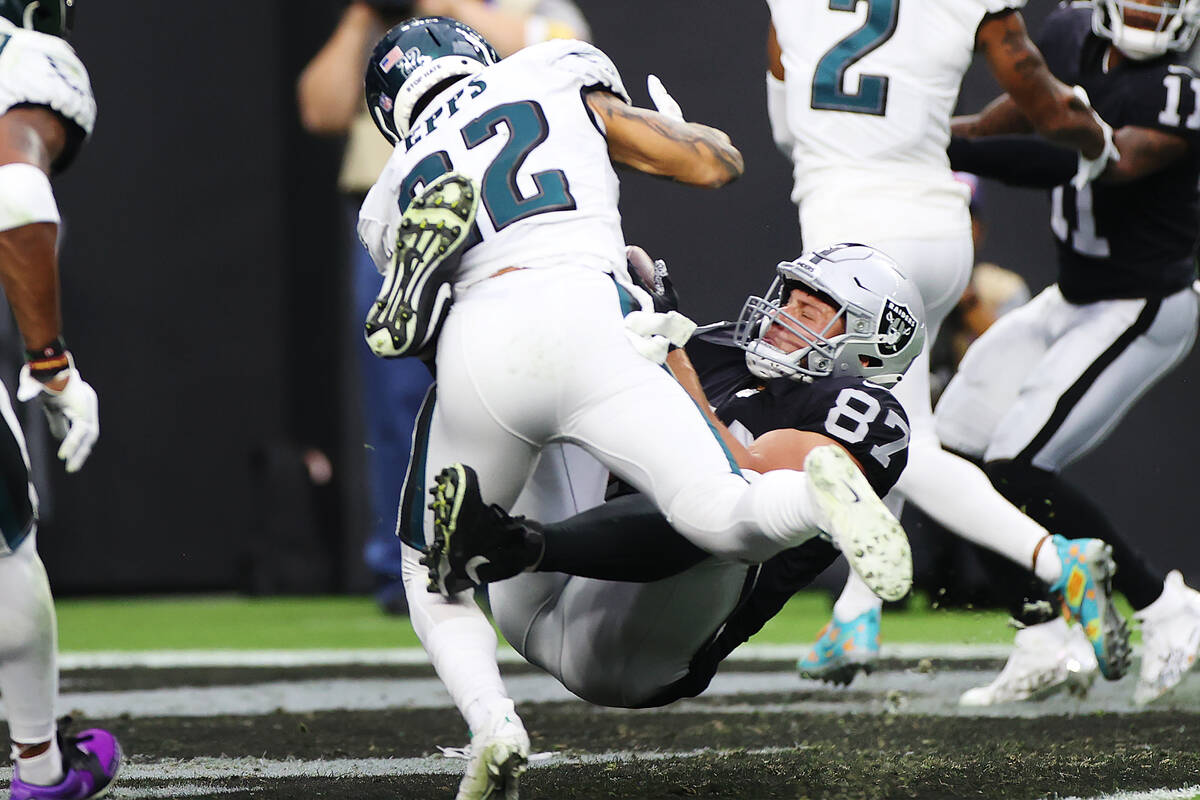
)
(896, 327)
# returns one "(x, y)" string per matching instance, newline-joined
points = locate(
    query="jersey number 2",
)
(527, 128)
(870, 97)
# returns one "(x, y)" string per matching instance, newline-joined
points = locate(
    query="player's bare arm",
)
(774, 53)
(785, 448)
(1047, 104)
(1144, 151)
(656, 144)
(1000, 117)
(28, 261)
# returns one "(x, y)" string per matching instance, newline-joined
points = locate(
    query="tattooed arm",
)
(1036, 100)
(659, 145)
(1144, 151)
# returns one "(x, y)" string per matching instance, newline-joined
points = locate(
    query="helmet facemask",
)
(766, 360)
(1163, 26)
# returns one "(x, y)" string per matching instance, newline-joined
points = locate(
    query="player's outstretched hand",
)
(73, 413)
(662, 99)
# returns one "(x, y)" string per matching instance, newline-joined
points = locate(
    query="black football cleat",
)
(418, 288)
(474, 543)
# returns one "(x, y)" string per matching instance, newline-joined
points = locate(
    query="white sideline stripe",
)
(184, 776)
(199, 769)
(1154, 794)
(416, 656)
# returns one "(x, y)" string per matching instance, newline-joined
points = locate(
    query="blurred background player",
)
(625, 611)
(862, 108)
(329, 94)
(991, 292)
(46, 113)
(1051, 380)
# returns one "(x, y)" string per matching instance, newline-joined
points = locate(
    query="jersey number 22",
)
(527, 128)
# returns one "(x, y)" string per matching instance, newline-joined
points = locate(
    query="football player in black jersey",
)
(795, 389)
(618, 606)
(1050, 380)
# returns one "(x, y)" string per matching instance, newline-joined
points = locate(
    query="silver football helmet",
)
(882, 309)
(1172, 25)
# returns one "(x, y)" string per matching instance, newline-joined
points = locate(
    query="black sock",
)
(1061, 508)
(626, 539)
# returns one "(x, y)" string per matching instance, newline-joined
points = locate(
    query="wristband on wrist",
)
(47, 362)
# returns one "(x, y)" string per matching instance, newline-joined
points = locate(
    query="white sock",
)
(28, 646)
(1049, 564)
(44, 769)
(960, 497)
(751, 523)
(464, 654)
(461, 644)
(855, 599)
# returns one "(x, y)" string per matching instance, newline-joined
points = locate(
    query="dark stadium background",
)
(203, 291)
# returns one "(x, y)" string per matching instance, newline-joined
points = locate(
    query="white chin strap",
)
(27, 19)
(1140, 45)
(767, 361)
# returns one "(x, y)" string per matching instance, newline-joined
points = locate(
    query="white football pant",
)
(1051, 379)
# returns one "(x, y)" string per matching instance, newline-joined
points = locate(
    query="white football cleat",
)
(498, 758)
(1046, 659)
(1170, 639)
(859, 524)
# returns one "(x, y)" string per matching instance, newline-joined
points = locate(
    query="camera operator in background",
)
(330, 97)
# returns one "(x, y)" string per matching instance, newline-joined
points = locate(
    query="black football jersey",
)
(1136, 239)
(864, 417)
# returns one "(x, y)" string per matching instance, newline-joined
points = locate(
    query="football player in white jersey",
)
(46, 113)
(503, 193)
(861, 103)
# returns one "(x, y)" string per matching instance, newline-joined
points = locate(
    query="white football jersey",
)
(522, 131)
(870, 88)
(43, 70)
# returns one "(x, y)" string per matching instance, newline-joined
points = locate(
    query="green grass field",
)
(237, 623)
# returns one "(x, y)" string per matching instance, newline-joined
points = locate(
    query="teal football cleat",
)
(843, 649)
(1085, 594)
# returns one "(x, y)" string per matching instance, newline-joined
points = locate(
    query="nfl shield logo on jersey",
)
(896, 327)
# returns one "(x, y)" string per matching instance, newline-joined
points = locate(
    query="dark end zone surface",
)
(827, 756)
(728, 750)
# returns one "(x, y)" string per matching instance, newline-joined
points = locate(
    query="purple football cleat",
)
(91, 760)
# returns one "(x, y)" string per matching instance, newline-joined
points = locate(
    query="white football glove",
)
(662, 99)
(73, 413)
(1092, 168)
(652, 333)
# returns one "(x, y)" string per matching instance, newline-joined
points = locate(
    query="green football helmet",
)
(47, 16)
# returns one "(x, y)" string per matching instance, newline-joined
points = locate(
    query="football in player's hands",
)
(651, 275)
